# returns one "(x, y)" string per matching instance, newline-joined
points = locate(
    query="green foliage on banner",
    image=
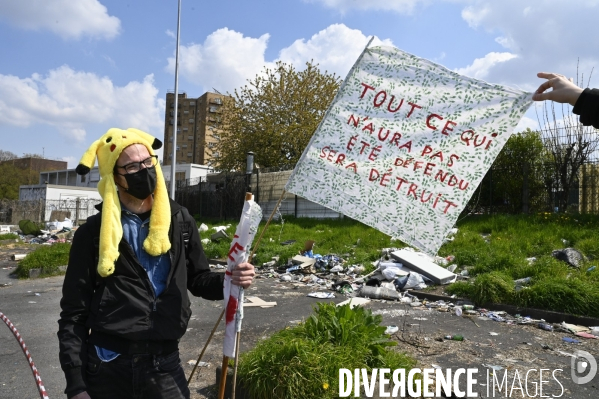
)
(274, 116)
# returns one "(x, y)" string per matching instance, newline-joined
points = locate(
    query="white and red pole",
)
(36, 374)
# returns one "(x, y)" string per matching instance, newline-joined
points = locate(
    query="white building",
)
(80, 201)
(69, 177)
(66, 190)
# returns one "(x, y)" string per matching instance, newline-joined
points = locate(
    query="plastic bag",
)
(412, 280)
(391, 272)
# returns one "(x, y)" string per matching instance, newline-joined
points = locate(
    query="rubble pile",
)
(55, 232)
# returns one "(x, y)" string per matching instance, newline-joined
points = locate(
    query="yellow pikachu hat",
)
(107, 150)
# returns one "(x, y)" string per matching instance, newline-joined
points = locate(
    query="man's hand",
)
(243, 275)
(564, 91)
(82, 395)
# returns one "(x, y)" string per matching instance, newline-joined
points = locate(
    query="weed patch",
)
(304, 361)
(47, 258)
(505, 254)
(8, 236)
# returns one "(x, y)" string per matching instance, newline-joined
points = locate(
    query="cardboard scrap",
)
(255, 301)
(354, 302)
(573, 328)
(420, 264)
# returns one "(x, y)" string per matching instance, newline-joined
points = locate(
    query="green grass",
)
(352, 240)
(8, 236)
(304, 361)
(513, 238)
(494, 262)
(46, 257)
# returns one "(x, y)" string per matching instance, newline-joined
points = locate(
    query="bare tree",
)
(569, 145)
(32, 155)
(7, 155)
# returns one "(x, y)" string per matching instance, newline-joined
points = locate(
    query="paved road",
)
(35, 317)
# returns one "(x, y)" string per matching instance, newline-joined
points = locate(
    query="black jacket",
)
(121, 309)
(587, 106)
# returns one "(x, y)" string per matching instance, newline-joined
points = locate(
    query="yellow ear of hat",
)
(112, 230)
(157, 242)
(88, 159)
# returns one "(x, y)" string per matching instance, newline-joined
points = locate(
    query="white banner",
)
(405, 144)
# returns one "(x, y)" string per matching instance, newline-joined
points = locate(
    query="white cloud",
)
(473, 15)
(399, 6)
(526, 123)
(170, 33)
(68, 19)
(224, 61)
(71, 161)
(335, 49)
(72, 101)
(480, 68)
(546, 36)
(227, 59)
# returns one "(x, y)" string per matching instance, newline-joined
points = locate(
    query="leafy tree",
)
(520, 172)
(274, 116)
(11, 178)
(515, 182)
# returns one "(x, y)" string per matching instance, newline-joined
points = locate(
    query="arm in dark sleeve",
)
(587, 106)
(200, 280)
(77, 292)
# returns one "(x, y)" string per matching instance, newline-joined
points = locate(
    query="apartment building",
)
(198, 128)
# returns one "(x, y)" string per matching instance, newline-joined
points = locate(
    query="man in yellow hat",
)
(125, 304)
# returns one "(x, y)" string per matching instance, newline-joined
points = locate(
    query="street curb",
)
(35, 273)
(547, 315)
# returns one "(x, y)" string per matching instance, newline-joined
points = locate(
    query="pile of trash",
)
(54, 232)
(397, 270)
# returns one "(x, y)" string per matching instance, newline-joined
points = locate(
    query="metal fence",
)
(524, 190)
(220, 196)
(503, 190)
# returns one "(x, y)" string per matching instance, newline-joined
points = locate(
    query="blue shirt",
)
(135, 231)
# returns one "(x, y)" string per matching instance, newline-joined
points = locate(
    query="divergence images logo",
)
(584, 367)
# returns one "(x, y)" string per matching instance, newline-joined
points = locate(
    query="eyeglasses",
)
(135, 167)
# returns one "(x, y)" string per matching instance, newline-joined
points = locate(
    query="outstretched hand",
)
(564, 90)
(243, 275)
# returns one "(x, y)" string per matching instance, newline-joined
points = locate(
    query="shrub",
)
(304, 361)
(493, 287)
(46, 257)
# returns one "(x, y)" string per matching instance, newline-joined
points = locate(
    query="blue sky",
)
(70, 70)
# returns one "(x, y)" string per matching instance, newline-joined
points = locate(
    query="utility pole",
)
(174, 152)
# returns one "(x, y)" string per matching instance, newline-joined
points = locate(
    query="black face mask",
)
(141, 184)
